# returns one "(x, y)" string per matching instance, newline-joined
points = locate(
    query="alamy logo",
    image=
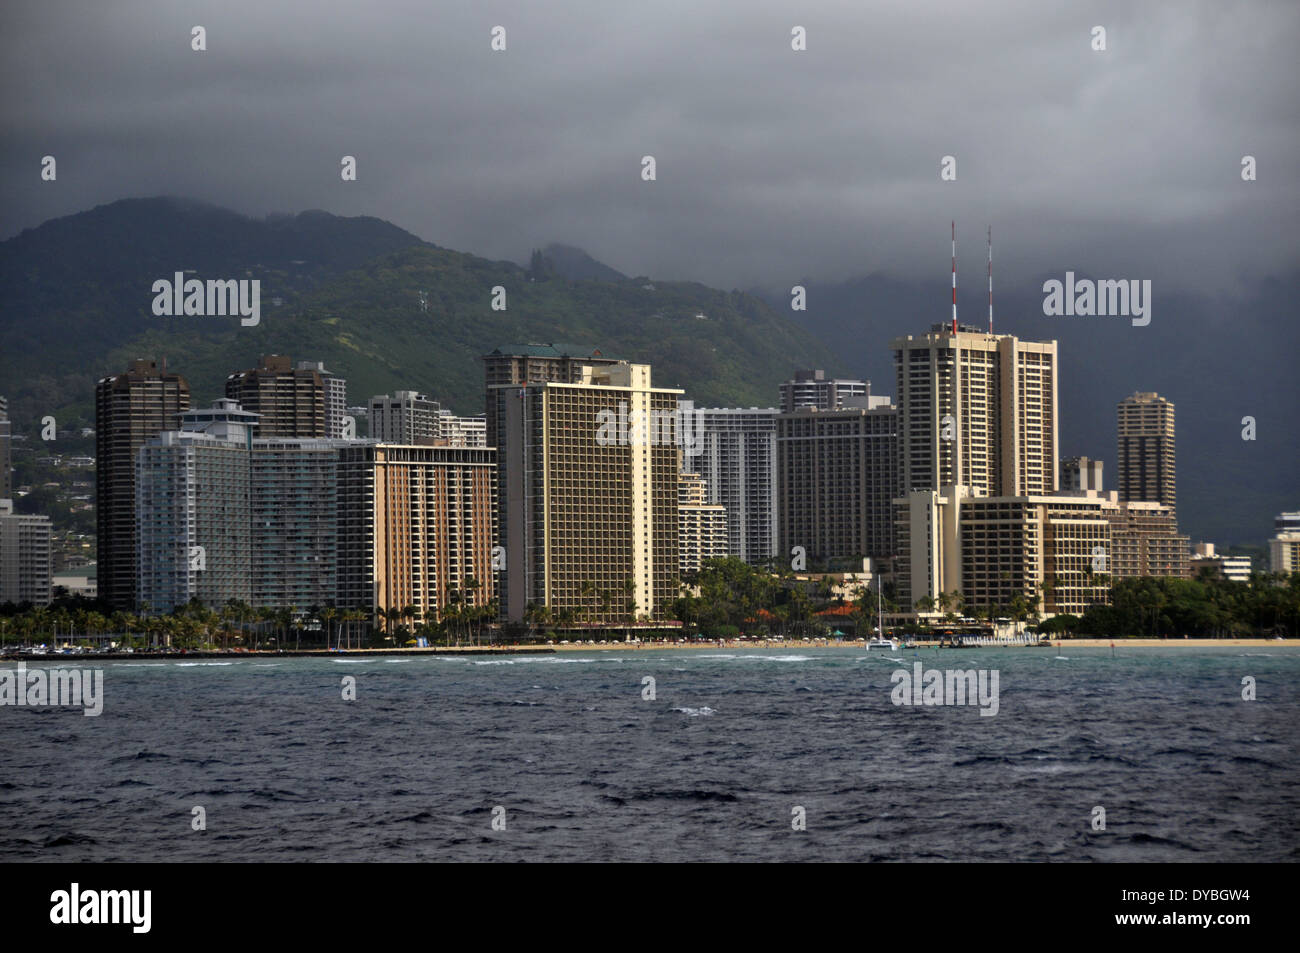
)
(75, 906)
(74, 687)
(1107, 298)
(682, 427)
(211, 298)
(948, 687)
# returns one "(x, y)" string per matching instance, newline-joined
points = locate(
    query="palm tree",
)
(327, 616)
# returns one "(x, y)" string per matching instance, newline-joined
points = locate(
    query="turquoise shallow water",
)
(585, 768)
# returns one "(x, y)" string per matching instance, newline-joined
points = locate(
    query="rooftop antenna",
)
(954, 277)
(990, 281)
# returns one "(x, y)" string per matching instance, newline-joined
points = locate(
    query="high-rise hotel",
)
(978, 410)
(836, 477)
(978, 466)
(590, 491)
(416, 528)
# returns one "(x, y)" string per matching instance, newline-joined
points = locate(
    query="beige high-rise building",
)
(532, 364)
(1145, 541)
(590, 495)
(520, 364)
(1045, 547)
(1284, 547)
(416, 527)
(1145, 466)
(702, 526)
(978, 410)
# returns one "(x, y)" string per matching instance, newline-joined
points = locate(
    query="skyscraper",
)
(6, 459)
(192, 502)
(225, 515)
(737, 461)
(293, 506)
(978, 410)
(1145, 466)
(25, 557)
(836, 480)
(130, 408)
(289, 401)
(519, 364)
(406, 418)
(416, 528)
(590, 493)
(336, 397)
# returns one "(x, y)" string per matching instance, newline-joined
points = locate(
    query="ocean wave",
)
(697, 712)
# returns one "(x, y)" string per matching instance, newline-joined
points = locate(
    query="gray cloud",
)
(773, 165)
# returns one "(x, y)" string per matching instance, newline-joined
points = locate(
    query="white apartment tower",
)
(737, 462)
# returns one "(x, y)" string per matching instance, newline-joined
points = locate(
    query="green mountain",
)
(376, 304)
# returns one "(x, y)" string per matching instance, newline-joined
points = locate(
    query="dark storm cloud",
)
(773, 165)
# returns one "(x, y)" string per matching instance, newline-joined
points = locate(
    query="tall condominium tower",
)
(6, 459)
(591, 493)
(225, 515)
(192, 501)
(1145, 468)
(289, 401)
(836, 479)
(416, 528)
(336, 397)
(130, 409)
(811, 389)
(737, 461)
(977, 410)
(293, 506)
(25, 556)
(405, 418)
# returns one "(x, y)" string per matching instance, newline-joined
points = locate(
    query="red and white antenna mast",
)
(954, 276)
(990, 280)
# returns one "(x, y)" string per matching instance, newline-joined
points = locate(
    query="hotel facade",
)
(591, 492)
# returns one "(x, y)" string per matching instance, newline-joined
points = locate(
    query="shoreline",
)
(728, 645)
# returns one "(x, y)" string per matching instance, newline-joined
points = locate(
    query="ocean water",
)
(583, 768)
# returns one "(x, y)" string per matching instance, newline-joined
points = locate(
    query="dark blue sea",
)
(581, 767)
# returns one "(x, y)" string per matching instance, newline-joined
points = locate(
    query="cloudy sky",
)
(772, 164)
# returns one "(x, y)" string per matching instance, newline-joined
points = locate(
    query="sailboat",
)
(880, 642)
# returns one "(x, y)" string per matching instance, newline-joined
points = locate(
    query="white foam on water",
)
(193, 664)
(696, 712)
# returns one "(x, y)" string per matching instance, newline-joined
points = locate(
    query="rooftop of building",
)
(548, 350)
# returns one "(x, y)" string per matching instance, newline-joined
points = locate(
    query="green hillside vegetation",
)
(77, 307)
